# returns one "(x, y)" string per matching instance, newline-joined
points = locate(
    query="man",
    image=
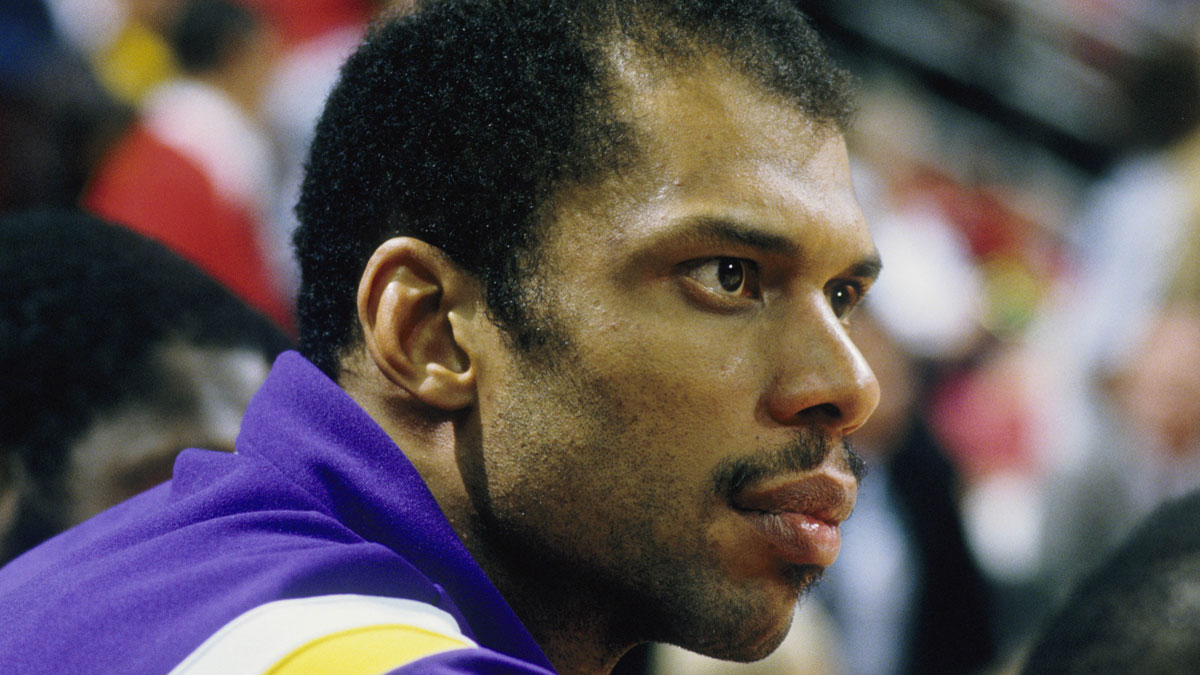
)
(581, 272)
(116, 355)
(1138, 611)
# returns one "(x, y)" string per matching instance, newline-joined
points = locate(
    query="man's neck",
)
(571, 624)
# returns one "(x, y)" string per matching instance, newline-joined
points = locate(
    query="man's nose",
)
(823, 380)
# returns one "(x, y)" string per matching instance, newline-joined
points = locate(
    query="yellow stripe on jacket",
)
(367, 650)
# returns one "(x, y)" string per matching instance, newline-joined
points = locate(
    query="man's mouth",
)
(800, 517)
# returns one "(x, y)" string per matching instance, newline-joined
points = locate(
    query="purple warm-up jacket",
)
(316, 540)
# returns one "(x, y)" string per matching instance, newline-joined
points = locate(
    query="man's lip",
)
(825, 496)
(799, 517)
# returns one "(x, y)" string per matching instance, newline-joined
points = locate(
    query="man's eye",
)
(844, 296)
(728, 276)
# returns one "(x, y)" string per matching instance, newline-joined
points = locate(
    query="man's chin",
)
(746, 651)
(759, 633)
(747, 641)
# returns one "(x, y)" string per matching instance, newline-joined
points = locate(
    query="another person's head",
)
(116, 354)
(605, 252)
(1138, 611)
(226, 43)
(1156, 386)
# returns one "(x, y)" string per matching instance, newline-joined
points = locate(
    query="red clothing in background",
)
(169, 186)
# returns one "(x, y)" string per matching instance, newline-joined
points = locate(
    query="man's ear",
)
(406, 296)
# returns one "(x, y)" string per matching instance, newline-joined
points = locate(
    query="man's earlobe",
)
(405, 297)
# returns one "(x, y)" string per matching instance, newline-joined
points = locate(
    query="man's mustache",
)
(808, 450)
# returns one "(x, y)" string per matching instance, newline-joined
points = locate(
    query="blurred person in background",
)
(198, 171)
(8, 497)
(116, 355)
(136, 56)
(1145, 448)
(125, 42)
(316, 38)
(1127, 338)
(55, 117)
(1138, 611)
(1025, 119)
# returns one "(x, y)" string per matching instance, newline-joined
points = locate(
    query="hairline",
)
(538, 330)
(665, 49)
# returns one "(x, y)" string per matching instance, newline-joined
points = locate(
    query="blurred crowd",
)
(186, 121)
(1031, 172)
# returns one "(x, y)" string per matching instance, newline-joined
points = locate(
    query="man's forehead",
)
(692, 113)
(713, 147)
(708, 144)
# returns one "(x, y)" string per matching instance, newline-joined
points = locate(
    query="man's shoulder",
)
(326, 511)
(172, 566)
(347, 634)
(332, 633)
(139, 596)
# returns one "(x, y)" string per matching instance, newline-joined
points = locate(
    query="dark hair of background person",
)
(1163, 87)
(456, 124)
(83, 304)
(207, 32)
(56, 119)
(1139, 611)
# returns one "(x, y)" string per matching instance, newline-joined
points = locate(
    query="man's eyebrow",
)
(715, 228)
(868, 268)
(723, 229)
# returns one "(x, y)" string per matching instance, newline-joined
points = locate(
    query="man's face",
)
(680, 458)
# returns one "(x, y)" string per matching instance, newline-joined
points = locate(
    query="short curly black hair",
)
(457, 123)
(83, 305)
